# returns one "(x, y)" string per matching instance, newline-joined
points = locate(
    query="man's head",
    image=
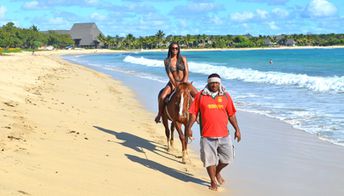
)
(214, 82)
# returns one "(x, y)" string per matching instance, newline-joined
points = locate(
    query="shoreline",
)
(268, 116)
(63, 134)
(109, 51)
(282, 156)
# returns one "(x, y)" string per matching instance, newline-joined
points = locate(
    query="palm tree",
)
(189, 40)
(160, 37)
(129, 40)
(103, 40)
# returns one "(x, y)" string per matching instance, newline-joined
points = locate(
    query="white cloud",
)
(270, 2)
(57, 21)
(202, 7)
(262, 14)
(248, 16)
(91, 2)
(158, 23)
(280, 12)
(31, 5)
(183, 23)
(272, 25)
(2, 11)
(97, 16)
(320, 8)
(216, 20)
(241, 16)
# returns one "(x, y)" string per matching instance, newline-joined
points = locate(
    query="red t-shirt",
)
(214, 118)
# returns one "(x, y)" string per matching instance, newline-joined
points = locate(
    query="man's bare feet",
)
(213, 186)
(219, 179)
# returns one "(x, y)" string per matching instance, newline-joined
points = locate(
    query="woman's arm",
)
(186, 70)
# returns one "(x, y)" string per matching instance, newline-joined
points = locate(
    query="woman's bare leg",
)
(161, 98)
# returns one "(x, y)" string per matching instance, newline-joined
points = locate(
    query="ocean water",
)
(303, 87)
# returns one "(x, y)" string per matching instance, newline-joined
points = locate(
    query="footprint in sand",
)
(11, 104)
(23, 192)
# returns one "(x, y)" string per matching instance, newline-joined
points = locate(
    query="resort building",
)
(85, 35)
(290, 42)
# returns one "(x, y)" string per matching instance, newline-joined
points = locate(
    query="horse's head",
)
(183, 96)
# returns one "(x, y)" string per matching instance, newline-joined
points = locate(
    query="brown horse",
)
(177, 111)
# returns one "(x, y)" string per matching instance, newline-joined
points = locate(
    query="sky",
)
(180, 17)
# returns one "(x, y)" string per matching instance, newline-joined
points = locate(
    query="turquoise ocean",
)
(302, 87)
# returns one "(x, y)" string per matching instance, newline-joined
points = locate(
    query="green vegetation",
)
(13, 39)
(220, 41)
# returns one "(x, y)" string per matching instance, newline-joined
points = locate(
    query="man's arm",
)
(234, 123)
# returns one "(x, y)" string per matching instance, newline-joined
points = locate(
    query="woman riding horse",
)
(177, 71)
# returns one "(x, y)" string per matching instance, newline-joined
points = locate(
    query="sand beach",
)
(68, 130)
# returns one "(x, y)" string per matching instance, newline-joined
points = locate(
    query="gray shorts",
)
(214, 150)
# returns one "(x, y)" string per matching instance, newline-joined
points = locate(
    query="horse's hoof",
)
(183, 161)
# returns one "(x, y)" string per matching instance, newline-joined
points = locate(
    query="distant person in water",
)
(270, 61)
(177, 70)
(215, 108)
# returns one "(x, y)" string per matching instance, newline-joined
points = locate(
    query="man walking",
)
(215, 107)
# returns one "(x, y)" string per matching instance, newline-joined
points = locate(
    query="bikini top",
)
(179, 66)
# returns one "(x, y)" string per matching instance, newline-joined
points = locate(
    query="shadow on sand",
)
(183, 176)
(139, 144)
(131, 141)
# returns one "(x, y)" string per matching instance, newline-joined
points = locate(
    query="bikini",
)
(179, 67)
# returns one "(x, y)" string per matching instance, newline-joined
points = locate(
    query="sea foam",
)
(314, 83)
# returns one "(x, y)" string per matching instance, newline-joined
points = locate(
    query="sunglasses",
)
(174, 48)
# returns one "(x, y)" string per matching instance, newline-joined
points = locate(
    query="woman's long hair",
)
(169, 54)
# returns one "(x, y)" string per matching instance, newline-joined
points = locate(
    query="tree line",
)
(159, 40)
(31, 38)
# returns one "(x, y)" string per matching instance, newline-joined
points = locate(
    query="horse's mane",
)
(183, 86)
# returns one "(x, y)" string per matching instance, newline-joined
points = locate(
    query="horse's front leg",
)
(167, 131)
(182, 140)
(186, 138)
(172, 134)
